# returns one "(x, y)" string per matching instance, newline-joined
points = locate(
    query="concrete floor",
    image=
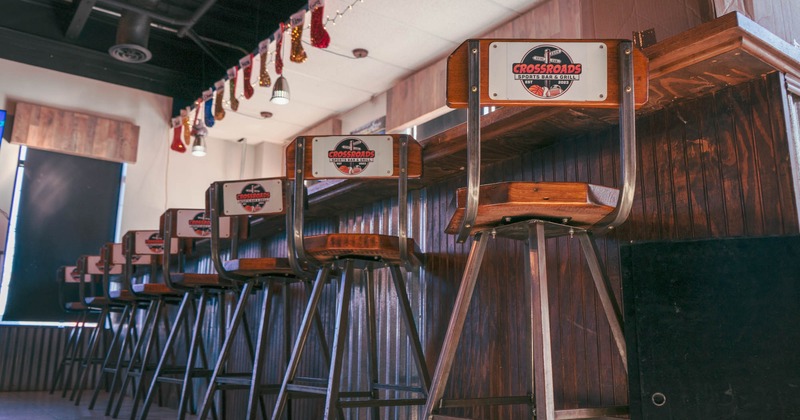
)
(43, 406)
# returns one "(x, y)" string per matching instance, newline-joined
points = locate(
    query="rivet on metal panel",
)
(628, 89)
(627, 51)
(474, 88)
(474, 50)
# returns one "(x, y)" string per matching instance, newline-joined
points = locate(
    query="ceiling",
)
(193, 42)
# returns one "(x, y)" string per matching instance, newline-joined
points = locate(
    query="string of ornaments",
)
(212, 103)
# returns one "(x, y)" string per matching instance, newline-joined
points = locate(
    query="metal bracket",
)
(402, 204)
(627, 140)
(473, 139)
(297, 229)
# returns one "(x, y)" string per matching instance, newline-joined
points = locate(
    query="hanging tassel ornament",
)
(208, 95)
(177, 145)
(246, 63)
(319, 36)
(278, 47)
(219, 111)
(263, 74)
(296, 21)
(232, 89)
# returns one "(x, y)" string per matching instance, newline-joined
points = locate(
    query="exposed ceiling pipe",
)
(196, 16)
(193, 36)
(149, 13)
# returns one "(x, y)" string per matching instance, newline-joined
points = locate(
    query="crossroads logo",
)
(351, 156)
(155, 243)
(201, 224)
(546, 71)
(253, 197)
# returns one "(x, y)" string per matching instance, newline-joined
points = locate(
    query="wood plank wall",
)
(717, 166)
(75, 133)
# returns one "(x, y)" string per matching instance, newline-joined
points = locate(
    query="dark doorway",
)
(67, 207)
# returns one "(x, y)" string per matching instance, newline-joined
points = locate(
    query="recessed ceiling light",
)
(360, 53)
(266, 114)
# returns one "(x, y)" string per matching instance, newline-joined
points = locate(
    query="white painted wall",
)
(160, 178)
(269, 160)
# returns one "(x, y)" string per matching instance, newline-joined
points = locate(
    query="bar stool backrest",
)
(354, 157)
(549, 73)
(132, 260)
(110, 263)
(68, 275)
(238, 201)
(183, 227)
(89, 267)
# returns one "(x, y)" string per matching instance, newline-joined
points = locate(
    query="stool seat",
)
(328, 247)
(154, 289)
(97, 301)
(580, 203)
(199, 280)
(75, 306)
(125, 295)
(254, 267)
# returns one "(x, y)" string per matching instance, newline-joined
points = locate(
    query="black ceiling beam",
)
(79, 18)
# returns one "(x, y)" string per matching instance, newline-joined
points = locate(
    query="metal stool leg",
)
(182, 316)
(258, 359)
(339, 335)
(89, 358)
(541, 346)
(411, 327)
(302, 336)
(222, 359)
(607, 299)
(456, 326)
(141, 352)
(124, 332)
(193, 350)
(70, 352)
(76, 360)
(136, 375)
(372, 342)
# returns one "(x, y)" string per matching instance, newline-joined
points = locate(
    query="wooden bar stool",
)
(157, 295)
(555, 73)
(91, 273)
(197, 289)
(369, 159)
(240, 200)
(70, 281)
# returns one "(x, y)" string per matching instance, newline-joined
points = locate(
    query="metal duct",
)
(133, 34)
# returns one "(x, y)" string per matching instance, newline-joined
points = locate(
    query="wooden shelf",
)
(727, 51)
